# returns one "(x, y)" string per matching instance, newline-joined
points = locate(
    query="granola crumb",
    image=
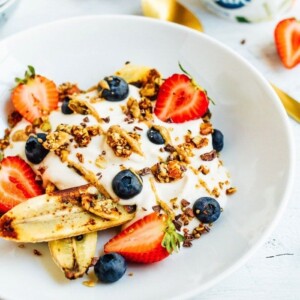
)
(37, 252)
(177, 224)
(156, 208)
(106, 120)
(80, 157)
(189, 212)
(144, 171)
(209, 155)
(231, 191)
(206, 128)
(203, 169)
(14, 118)
(215, 191)
(50, 188)
(185, 203)
(89, 283)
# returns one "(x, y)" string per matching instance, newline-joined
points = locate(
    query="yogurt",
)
(193, 185)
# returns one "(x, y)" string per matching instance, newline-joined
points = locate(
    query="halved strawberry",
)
(180, 99)
(17, 183)
(148, 240)
(287, 41)
(34, 96)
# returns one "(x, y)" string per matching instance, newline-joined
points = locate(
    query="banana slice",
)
(84, 107)
(105, 208)
(55, 216)
(90, 177)
(137, 74)
(74, 255)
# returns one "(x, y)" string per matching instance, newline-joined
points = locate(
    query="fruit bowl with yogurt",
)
(135, 149)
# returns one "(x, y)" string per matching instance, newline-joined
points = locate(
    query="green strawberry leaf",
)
(29, 74)
(172, 239)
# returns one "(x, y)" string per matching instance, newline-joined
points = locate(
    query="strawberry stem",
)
(184, 70)
(29, 74)
(193, 81)
(172, 239)
(212, 101)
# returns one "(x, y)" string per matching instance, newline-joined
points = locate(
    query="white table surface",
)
(274, 271)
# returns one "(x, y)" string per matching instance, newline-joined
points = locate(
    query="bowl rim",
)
(269, 91)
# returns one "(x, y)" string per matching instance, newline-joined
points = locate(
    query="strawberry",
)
(287, 41)
(17, 183)
(180, 99)
(34, 96)
(148, 240)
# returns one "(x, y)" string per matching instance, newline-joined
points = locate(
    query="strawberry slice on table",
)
(17, 183)
(34, 96)
(180, 99)
(148, 240)
(287, 41)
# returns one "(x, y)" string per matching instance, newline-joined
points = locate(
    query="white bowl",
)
(258, 149)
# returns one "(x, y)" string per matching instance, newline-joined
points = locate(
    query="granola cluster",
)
(82, 134)
(197, 141)
(59, 140)
(121, 142)
(151, 84)
(4, 143)
(56, 140)
(168, 171)
(67, 89)
(138, 110)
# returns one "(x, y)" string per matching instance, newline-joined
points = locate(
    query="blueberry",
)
(65, 109)
(155, 136)
(217, 140)
(127, 184)
(118, 89)
(110, 267)
(206, 209)
(34, 150)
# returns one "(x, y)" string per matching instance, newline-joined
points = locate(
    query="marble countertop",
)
(274, 271)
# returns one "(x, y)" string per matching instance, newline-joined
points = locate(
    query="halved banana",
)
(56, 216)
(74, 255)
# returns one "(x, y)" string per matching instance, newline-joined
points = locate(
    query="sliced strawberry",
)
(148, 240)
(287, 40)
(35, 96)
(17, 183)
(180, 99)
